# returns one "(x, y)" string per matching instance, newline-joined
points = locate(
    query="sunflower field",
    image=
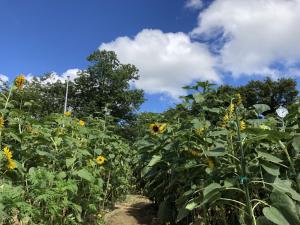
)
(207, 164)
(210, 161)
(58, 169)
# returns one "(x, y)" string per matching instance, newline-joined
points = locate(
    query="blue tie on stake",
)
(243, 179)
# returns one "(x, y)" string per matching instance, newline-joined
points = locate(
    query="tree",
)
(267, 91)
(106, 84)
(104, 87)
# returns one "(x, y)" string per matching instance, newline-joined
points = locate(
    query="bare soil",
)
(136, 210)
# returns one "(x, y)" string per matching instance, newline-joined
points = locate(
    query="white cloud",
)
(54, 77)
(194, 4)
(259, 33)
(166, 61)
(3, 78)
(71, 73)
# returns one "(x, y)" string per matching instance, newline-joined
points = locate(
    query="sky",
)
(173, 43)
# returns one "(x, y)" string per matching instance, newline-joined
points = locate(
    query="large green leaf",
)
(260, 108)
(220, 151)
(296, 143)
(270, 168)
(284, 186)
(274, 215)
(155, 159)
(70, 161)
(286, 206)
(268, 157)
(261, 220)
(199, 98)
(85, 174)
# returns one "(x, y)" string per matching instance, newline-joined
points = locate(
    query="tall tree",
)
(106, 84)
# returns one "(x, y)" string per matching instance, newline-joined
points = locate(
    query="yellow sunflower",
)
(7, 153)
(1, 122)
(230, 109)
(100, 160)
(11, 165)
(162, 127)
(226, 119)
(68, 113)
(242, 125)
(157, 127)
(238, 99)
(20, 81)
(199, 131)
(210, 163)
(81, 123)
(195, 153)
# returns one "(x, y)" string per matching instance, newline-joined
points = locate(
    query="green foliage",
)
(59, 177)
(208, 167)
(266, 91)
(105, 84)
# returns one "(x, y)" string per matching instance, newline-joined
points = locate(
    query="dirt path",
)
(137, 210)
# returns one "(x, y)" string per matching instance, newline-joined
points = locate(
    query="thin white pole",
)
(66, 98)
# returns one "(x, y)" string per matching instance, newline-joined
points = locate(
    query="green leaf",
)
(260, 108)
(27, 104)
(213, 110)
(14, 136)
(284, 186)
(274, 215)
(270, 168)
(210, 188)
(198, 97)
(220, 151)
(296, 143)
(84, 174)
(155, 159)
(286, 205)
(193, 203)
(210, 194)
(70, 161)
(43, 153)
(261, 220)
(182, 213)
(268, 157)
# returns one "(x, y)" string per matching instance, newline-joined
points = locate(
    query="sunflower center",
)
(155, 128)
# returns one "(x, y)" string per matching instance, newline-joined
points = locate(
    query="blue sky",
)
(57, 35)
(41, 36)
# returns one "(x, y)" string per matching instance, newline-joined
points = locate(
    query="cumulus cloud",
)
(194, 4)
(3, 78)
(256, 34)
(72, 74)
(166, 61)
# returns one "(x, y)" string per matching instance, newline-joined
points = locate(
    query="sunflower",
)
(7, 153)
(11, 165)
(242, 125)
(68, 113)
(81, 123)
(226, 118)
(100, 159)
(162, 127)
(238, 99)
(230, 109)
(157, 127)
(199, 131)
(1, 122)
(195, 153)
(20, 81)
(210, 163)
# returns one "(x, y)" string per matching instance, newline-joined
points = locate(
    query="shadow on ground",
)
(139, 211)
